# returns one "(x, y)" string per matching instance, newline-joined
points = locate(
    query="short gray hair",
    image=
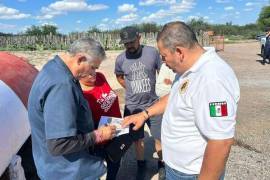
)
(89, 46)
(177, 34)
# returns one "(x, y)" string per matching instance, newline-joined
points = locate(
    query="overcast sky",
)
(79, 15)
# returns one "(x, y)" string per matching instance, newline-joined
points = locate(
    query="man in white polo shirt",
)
(200, 112)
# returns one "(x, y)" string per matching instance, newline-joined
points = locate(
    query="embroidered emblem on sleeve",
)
(184, 86)
(218, 109)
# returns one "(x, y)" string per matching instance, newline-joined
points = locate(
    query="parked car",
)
(258, 37)
(263, 41)
(265, 49)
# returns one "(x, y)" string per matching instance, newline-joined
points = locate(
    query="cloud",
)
(206, 17)
(105, 20)
(68, 5)
(157, 15)
(252, 4)
(127, 8)
(249, 4)
(78, 21)
(6, 26)
(222, 1)
(127, 18)
(176, 18)
(103, 27)
(229, 8)
(154, 2)
(10, 13)
(24, 28)
(173, 10)
(48, 14)
(64, 6)
(184, 6)
(49, 23)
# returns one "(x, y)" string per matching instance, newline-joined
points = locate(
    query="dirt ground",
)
(250, 157)
(253, 122)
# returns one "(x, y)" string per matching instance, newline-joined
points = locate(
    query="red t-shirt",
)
(102, 100)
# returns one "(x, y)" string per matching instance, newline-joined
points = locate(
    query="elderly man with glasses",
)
(61, 122)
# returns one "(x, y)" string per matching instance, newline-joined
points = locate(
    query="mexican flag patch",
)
(218, 109)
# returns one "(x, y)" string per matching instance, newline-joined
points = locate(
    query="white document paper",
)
(106, 120)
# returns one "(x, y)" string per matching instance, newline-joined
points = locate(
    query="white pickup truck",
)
(263, 41)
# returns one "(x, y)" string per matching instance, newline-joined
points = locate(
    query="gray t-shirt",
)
(140, 76)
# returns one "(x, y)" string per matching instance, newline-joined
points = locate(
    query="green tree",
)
(41, 30)
(264, 18)
(148, 27)
(198, 24)
(49, 29)
(5, 34)
(226, 29)
(94, 29)
(33, 31)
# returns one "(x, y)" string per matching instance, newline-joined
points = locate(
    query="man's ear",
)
(80, 58)
(179, 52)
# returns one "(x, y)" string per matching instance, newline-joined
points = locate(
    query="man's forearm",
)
(121, 80)
(215, 158)
(72, 144)
(159, 107)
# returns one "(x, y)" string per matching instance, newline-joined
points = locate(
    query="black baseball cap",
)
(128, 34)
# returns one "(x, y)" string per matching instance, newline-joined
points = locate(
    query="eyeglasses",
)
(87, 57)
(93, 74)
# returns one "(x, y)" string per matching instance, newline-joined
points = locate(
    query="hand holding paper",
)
(107, 132)
(106, 120)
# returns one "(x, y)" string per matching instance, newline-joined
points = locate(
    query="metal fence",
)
(110, 41)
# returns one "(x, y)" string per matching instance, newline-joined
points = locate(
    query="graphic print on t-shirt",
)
(106, 100)
(140, 82)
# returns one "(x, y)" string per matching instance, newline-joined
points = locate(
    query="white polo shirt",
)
(202, 105)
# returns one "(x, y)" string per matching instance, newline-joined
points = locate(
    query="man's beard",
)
(132, 50)
(134, 54)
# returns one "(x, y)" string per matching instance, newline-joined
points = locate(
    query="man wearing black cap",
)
(136, 70)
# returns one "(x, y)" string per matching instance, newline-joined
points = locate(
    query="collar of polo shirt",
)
(201, 61)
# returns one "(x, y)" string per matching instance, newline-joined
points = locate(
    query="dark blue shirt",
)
(57, 109)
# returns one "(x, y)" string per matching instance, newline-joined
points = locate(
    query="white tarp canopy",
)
(14, 125)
